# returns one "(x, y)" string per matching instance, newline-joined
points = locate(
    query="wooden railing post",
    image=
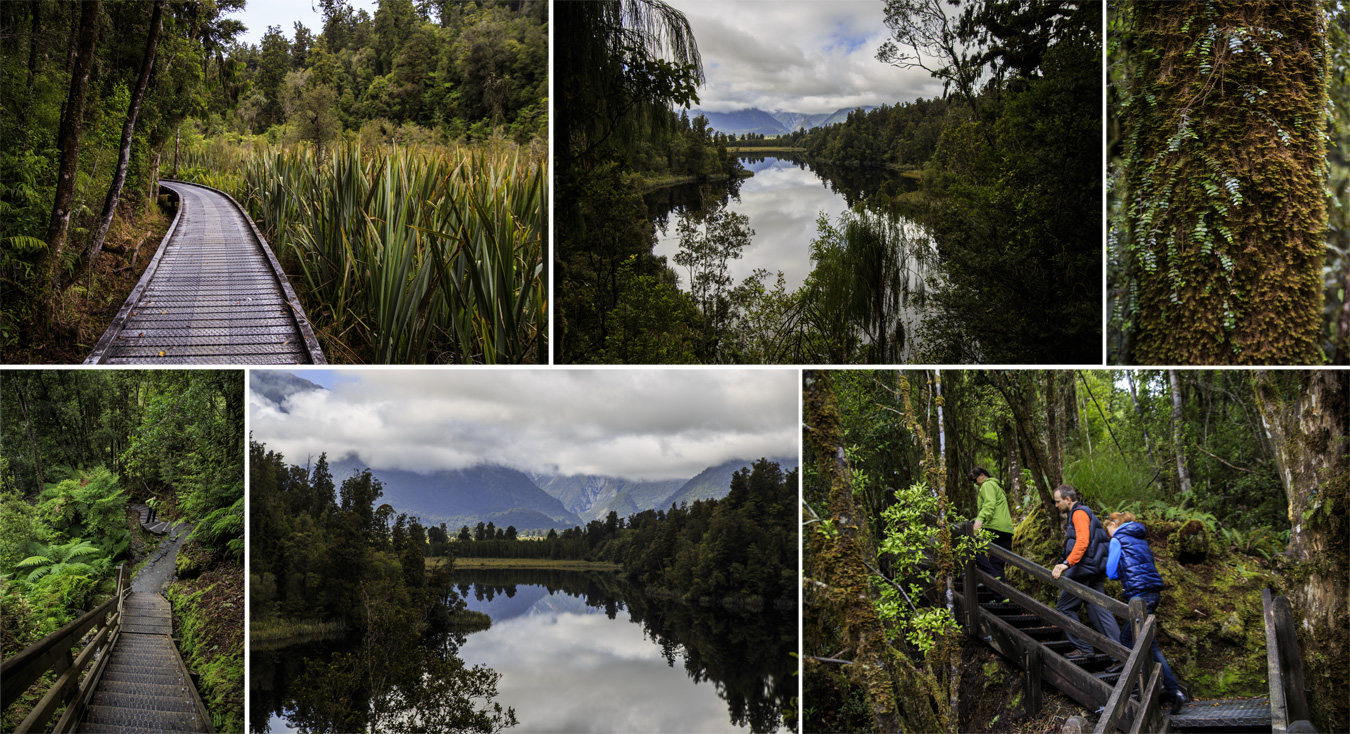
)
(1033, 680)
(1279, 712)
(972, 595)
(1138, 611)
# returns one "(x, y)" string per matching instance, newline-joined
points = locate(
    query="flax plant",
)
(427, 253)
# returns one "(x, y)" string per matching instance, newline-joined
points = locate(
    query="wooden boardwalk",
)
(214, 293)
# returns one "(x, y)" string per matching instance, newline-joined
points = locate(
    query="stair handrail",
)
(1134, 667)
(1115, 606)
(53, 652)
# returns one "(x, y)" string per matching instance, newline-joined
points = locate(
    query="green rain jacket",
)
(994, 507)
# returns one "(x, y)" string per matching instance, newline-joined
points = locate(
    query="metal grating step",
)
(131, 697)
(146, 721)
(1242, 712)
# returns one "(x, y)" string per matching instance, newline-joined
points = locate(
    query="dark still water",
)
(782, 200)
(587, 652)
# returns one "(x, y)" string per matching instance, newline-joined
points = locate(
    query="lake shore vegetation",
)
(325, 553)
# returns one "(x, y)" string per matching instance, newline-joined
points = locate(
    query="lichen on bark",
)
(1225, 166)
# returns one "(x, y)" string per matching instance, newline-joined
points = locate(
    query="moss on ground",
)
(208, 616)
(1213, 628)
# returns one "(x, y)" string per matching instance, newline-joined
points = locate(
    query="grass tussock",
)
(422, 254)
(271, 634)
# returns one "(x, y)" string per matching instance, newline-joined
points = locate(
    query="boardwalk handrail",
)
(1117, 707)
(1284, 662)
(1116, 607)
(53, 652)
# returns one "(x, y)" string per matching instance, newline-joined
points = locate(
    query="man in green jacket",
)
(994, 517)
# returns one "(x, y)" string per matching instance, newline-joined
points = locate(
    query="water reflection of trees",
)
(390, 678)
(746, 657)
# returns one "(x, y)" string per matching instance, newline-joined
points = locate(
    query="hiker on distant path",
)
(1131, 560)
(1085, 551)
(994, 517)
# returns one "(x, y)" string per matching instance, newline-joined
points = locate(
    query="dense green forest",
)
(1253, 466)
(76, 448)
(1229, 151)
(1010, 195)
(325, 557)
(738, 550)
(101, 98)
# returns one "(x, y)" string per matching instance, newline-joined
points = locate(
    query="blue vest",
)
(1093, 562)
(1138, 574)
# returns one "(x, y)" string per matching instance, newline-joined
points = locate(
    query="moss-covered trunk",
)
(1225, 154)
(1307, 417)
(835, 563)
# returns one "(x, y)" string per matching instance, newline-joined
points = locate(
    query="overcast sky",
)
(806, 56)
(637, 424)
(258, 14)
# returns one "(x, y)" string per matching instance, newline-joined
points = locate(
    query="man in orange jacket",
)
(1085, 550)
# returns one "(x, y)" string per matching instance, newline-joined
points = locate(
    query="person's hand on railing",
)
(1058, 570)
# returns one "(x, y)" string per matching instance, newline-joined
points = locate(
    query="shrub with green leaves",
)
(909, 538)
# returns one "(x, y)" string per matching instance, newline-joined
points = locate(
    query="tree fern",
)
(77, 556)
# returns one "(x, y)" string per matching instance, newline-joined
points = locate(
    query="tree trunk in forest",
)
(1014, 478)
(177, 139)
(32, 439)
(1034, 453)
(1053, 424)
(835, 565)
(1306, 415)
(1143, 425)
(69, 143)
(1225, 198)
(1179, 446)
(124, 152)
(36, 10)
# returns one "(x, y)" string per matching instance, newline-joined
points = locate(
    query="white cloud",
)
(639, 424)
(810, 57)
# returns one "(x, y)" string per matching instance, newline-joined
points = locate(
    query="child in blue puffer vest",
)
(1129, 559)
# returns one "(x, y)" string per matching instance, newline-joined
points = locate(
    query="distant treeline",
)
(740, 546)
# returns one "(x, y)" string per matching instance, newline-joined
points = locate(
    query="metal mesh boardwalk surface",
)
(1243, 712)
(144, 687)
(213, 294)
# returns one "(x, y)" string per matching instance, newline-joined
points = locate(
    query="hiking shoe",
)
(1078, 655)
(1117, 665)
(1178, 701)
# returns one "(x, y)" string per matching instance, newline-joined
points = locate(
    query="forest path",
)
(145, 686)
(214, 293)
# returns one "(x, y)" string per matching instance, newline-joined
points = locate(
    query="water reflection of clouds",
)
(570, 672)
(782, 201)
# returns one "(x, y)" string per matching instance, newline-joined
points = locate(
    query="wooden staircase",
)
(1032, 636)
(145, 686)
(128, 677)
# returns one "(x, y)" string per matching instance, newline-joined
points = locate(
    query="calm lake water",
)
(783, 200)
(586, 652)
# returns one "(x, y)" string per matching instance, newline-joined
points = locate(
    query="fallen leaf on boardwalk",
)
(161, 354)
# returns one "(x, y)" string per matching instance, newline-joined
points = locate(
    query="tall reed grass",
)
(421, 254)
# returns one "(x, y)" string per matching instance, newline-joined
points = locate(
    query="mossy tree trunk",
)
(1225, 160)
(836, 561)
(1307, 417)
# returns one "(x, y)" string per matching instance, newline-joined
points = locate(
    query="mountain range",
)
(505, 496)
(770, 124)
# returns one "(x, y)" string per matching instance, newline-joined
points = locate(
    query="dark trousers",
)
(1169, 681)
(1101, 619)
(992, 565)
